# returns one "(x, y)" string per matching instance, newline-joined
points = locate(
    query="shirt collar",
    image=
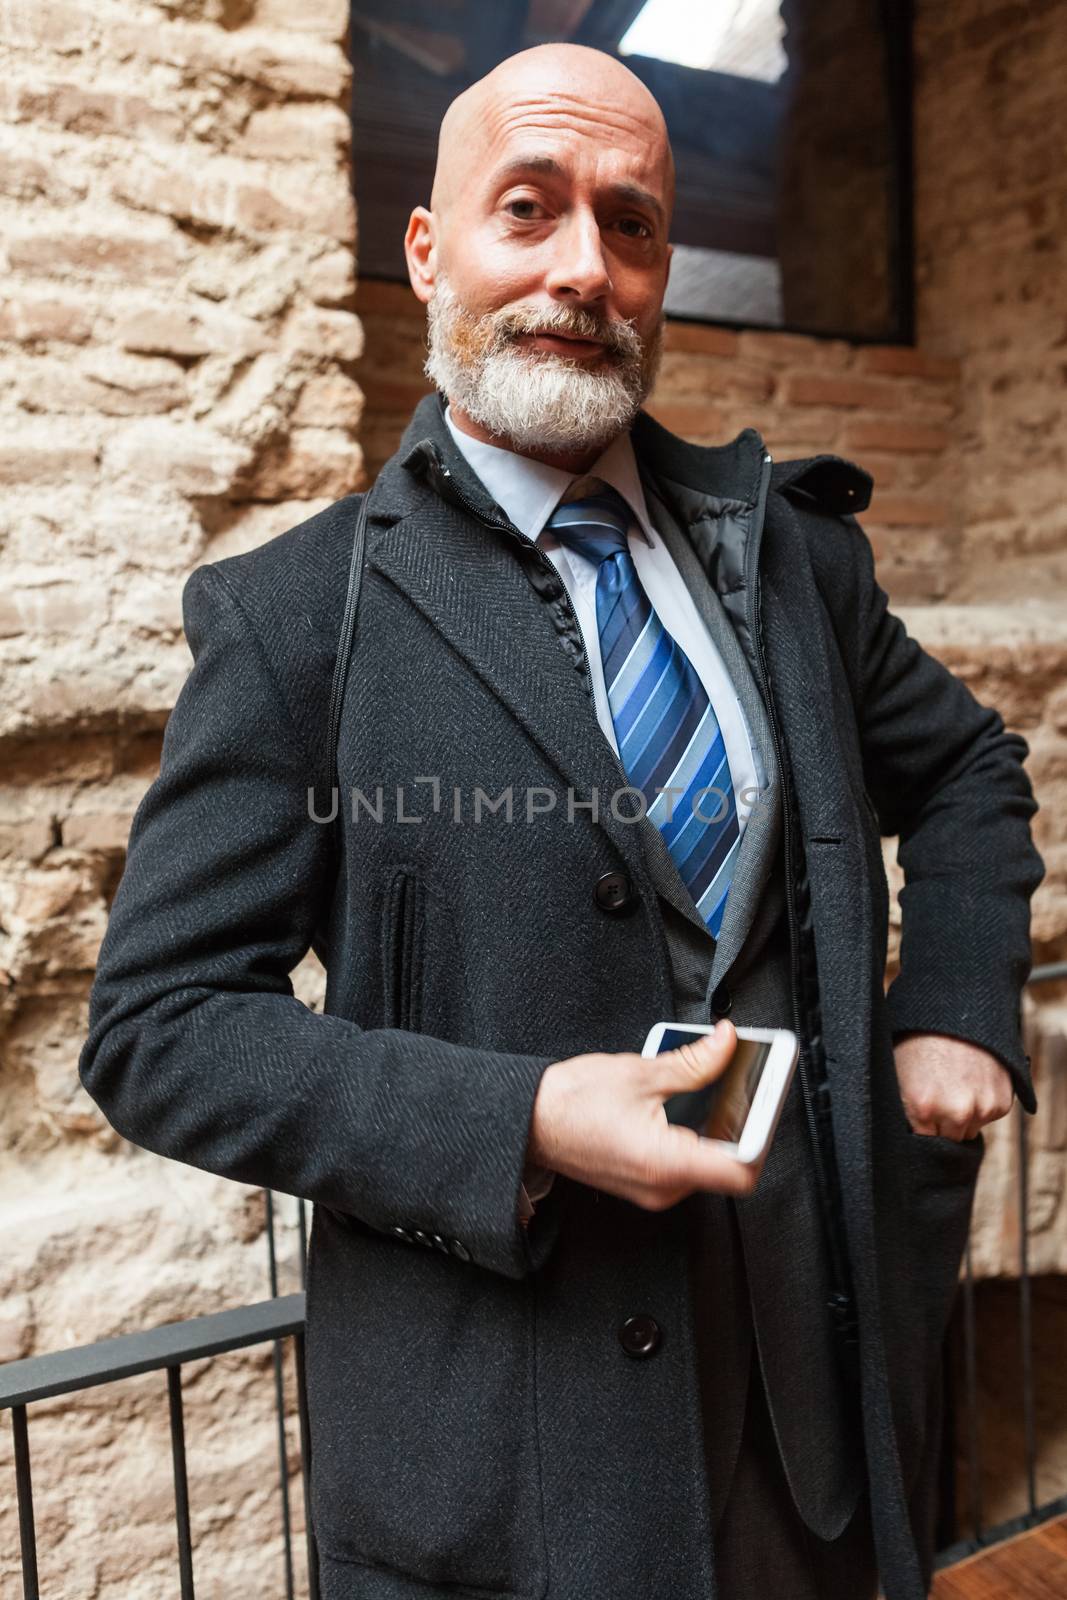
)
(529, 491)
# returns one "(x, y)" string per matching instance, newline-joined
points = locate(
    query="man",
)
(632, 1375)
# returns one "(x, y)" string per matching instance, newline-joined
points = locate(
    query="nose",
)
(579, 270)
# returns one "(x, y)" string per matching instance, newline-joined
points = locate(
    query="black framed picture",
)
(790, 122)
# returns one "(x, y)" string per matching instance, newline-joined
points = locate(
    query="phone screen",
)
(718, 1110)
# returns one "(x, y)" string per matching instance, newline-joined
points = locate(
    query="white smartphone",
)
(740, 1109)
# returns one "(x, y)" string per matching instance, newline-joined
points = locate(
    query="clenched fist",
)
(948, 1086)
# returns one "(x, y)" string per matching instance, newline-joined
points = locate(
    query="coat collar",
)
(730, 471)
(692, 478)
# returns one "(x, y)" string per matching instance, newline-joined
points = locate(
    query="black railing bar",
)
(24, 1493)
(947, 1526)
(1001, 1532)
(1048, 974)
(181, 1482)
(970, 1359)
(1026, 1321)
(305, 1461)
(127, 1354)
(279, 1406)
(272, 1254)
(283, 1467)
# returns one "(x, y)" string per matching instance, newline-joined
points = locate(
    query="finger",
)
(712, 1168)
(698, 1061)
(951, 1128)
(687, 1161)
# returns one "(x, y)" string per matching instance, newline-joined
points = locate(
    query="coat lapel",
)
(467, 581)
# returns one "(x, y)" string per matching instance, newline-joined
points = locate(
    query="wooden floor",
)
(1032, 1566)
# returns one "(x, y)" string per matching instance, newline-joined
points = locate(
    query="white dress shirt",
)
(528, 492)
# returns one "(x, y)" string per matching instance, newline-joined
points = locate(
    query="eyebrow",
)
(551, 168)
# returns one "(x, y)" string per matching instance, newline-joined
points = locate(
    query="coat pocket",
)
(942, 1174)
(403, 948)
(423, 976)
(925, 1186)
(424, 1452)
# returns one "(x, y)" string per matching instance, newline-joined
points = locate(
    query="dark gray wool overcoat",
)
(478, 1428)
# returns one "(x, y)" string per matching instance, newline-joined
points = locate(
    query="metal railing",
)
(169, 1347)
(984, 1535)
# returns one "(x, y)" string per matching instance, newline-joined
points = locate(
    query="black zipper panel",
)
(807, 1008)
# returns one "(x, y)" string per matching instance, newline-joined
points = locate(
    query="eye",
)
(523, 216)
(628, 223)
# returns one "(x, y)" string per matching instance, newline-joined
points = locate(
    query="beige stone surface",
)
(991, 203)
(177, 337)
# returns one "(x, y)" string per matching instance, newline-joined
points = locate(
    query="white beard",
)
(534, 399)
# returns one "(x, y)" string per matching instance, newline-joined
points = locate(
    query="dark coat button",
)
(401, 1233)
(458, 1248)
(722, 1001)
(439, 1243)
(421, 1238)
(640, 1335)
(615, 893)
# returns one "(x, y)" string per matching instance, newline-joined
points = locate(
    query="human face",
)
(554, 259)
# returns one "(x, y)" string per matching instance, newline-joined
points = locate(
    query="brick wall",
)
(176, 348)
(175, 326)
(991, 215)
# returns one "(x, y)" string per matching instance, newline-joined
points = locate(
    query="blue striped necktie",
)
(667, 731)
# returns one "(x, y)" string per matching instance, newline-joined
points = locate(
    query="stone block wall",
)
(176, 331)
(991, 232)
(177, 342)
(991, 263)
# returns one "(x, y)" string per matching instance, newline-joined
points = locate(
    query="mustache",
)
(618, 336)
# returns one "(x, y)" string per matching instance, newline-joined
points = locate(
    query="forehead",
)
(565, 136)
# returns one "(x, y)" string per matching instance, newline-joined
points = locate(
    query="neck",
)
(575, 461)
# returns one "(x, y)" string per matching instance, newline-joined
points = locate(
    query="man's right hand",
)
(600, 1118)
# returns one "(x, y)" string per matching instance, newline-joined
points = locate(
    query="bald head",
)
(567, 87)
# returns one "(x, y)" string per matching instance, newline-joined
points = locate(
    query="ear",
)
(420, 249)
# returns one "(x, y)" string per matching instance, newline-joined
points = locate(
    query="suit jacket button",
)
(458, 1248)
(614, 893)
(420, 1237)
(722, 1001)
(640, 1335)
(401, 1233)
(439, 1243)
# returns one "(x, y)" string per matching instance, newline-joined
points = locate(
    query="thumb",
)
(700, 1060)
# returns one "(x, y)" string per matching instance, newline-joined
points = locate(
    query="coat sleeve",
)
(944, 774)
(197, 1048)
